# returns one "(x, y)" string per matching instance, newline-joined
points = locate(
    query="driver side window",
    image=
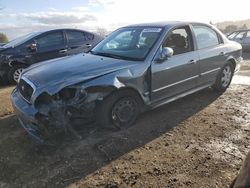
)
(50, 40)
(180, 40)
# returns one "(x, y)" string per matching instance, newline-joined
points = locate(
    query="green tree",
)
(3, 38)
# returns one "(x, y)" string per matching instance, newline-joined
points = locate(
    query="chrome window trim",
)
(176, 83)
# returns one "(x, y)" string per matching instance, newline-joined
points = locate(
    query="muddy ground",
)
(198, 141)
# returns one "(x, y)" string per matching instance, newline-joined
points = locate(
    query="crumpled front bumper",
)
(26, 115)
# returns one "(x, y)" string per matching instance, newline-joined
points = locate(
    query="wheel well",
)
(13, 63)
(132, 91)
(233, 62)
(109, 90)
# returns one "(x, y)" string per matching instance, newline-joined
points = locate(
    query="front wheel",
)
(15, 73)
(224, 78)
(119, 110)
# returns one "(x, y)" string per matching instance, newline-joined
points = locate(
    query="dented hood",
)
(73, 69)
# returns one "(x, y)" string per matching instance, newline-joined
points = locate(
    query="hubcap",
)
(17, 73)
(124, 112)
(226, 76)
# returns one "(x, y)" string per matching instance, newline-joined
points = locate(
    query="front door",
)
(178, 73)
(49, 46)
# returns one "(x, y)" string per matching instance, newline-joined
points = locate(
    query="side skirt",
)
(168, 100)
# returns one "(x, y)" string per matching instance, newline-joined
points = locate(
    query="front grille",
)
(25, 89)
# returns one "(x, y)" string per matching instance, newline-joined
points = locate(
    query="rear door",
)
(49, 45)
(212, 52)
(178, 73)
(78, 41)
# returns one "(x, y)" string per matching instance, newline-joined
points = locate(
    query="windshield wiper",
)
(114, 56)
(106, 55)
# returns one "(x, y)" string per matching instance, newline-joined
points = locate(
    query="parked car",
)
(242, 37)
(39, 46)
(136, 68)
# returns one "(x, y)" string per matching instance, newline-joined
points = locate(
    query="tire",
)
(224, 77)
(14, 72)
(120, 110)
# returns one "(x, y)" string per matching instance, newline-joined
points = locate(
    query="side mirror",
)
(165, 53)
(32, 47)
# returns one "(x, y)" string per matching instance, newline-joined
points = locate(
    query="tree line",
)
(232, 28)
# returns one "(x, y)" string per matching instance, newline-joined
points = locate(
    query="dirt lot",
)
(198, 141)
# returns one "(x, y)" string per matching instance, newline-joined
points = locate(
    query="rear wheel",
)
(224, 78)
(15, 72)
(119, 110)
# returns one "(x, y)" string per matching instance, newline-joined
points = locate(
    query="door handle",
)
(88, 45)
(63, 51)
(192, 61)
(223, 53)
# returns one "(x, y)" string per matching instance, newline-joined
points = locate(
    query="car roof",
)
(60, 29)
(164, 24)
(240, 30)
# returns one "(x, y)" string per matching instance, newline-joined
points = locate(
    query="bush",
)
(3, 38)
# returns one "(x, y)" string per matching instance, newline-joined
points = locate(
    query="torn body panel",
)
(52, 114)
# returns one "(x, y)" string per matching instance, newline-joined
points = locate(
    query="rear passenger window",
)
(205, 37)
(89, 36)
(78, 36)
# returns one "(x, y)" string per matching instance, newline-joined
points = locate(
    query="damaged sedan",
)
(136, 68)
(35, 47)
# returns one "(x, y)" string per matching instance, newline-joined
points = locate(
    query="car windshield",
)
(20, 40)
(232, 35)
(128, 43)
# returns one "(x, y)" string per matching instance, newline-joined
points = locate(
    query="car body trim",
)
(179, 96)
(176, 83)
(207, 72)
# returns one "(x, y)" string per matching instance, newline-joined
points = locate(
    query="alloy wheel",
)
(17, 74)
(226, 76)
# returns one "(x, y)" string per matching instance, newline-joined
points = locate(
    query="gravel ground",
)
(198, 141)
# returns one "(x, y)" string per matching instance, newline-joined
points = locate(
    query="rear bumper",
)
(26, 114)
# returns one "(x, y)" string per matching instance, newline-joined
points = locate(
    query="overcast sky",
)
(18, 17)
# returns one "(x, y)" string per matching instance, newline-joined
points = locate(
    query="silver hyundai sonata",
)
(135, 68)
